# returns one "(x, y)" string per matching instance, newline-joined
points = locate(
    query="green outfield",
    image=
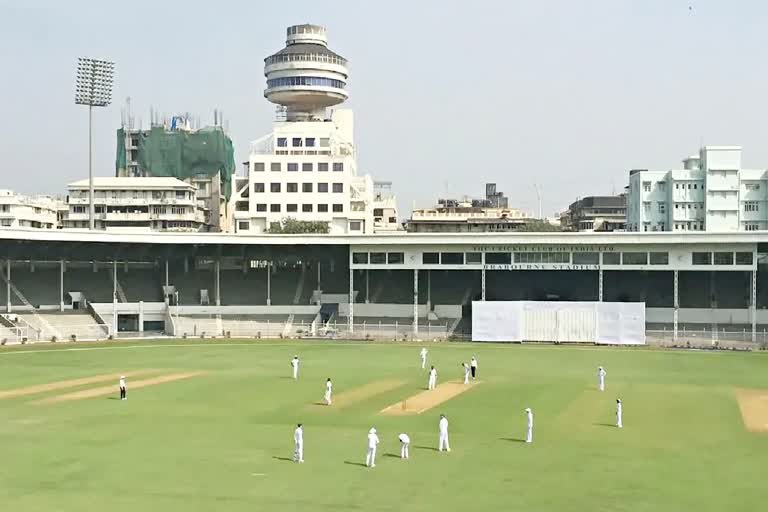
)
(208, 426)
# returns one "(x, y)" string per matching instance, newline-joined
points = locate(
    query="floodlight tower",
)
(306, 77)
(93, 88)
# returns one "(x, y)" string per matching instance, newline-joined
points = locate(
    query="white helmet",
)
(527, 409)
(372, 431)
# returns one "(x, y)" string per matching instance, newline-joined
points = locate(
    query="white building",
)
(18, 211)
(712, 192)
(306, 168)
(152, 204)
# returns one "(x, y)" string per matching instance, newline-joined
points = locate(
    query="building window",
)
(258, 187)
(306, 167)
(611, 258)
(751, 206)
(338, 188)
(695, 186)
(293, 167)
(634, 258)
(542, 257)
(322, 208)
(322, 187)
(274, 187)
(338, 167)
(751, 226)
(258, 166)
(276, 167)
(243, 225)
(378, 258)
(306, 208)
(659, 258)
(274, 208)
(338, 208)
(395, 258)
(498, 258)
(662, 207)
(296, 142)
(586, 258)
(291, 208)
(306, 187)
(292, 187)
(451, 258)
(646, 186)
(430, 258)
(282, 142)
(322, 167)
(325, 142)
(360, 258)
(261, 207)
(662, 186)
(753, 186)
(743, 258)
(473, 258)
(309, 142)
(723, 258)
(701, 258)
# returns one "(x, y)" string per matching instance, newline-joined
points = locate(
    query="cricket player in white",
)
(295, 366)
(122, 388)
(600, 378)
(618, 413)
(328, 389)
(373, 440)
(423, 355)
(442, 428)
(529, 425)
(473, 366)
(404, 442)
(298, 444)
(432, 378)
(466, 372)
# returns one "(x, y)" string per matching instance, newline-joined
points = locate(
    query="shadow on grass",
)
(512, 439)
(284, 459)
(354, 463)
(426, 448)
(286, 377)
(392, 455)
(112, 398)
(611, 425)
(322, 404)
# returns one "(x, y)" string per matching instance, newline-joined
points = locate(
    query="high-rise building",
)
(306, 169)
(596, 213)
(712, 192)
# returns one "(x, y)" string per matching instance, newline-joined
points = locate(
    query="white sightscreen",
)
(617, 323)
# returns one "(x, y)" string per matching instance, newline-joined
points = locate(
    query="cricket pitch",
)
(426, 400)
(753, 404)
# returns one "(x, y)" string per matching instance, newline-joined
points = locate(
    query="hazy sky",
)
(447, 95)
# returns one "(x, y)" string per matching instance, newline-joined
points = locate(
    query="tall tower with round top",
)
(306, 77)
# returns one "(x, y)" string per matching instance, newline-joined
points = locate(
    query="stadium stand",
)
(44, 326)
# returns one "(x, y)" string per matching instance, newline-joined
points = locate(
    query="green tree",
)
(291, 226)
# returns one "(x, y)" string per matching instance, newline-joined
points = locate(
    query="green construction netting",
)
(182, 154)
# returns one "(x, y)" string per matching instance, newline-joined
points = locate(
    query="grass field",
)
(212, 429)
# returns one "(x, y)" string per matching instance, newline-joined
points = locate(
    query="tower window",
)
(338, 167)
(282, 142)
(296, 142)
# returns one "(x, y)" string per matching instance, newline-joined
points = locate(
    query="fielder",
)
(423, 355)
(473, 367)
(618, 413)
(529, 425)
(405, 441)
(298, 444)
(432, 382)
(466, 372)
(122, 388)
(600, 378)
(328, 389)
(295, 366)
(373, 440)
(442, 428)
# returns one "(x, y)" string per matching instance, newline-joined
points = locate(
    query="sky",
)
(448, 95)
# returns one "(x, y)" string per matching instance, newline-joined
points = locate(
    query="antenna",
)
(538, 197)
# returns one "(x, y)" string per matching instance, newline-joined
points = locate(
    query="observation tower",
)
(306, 77)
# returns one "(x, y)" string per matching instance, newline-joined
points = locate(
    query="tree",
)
(291, 226)
(538, 226)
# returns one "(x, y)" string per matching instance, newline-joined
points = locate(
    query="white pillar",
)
(141, 316)
(676, 305)
(600, 284)
(482, 283)
(415, 301)
(269, 283)
(114, 298)
(217, 267)
(351, 317)
(61, 285)
(753, 306)
(367, 286)
(8, 307)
